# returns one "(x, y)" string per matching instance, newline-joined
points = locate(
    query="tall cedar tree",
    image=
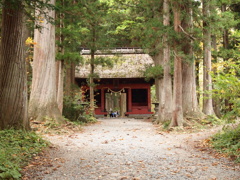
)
(207, 60)
(177, 115)
(165, 103)
(60, 63)
(43, 102)
(13, 76)
(68, 36)
(94, 25)
(190, 103)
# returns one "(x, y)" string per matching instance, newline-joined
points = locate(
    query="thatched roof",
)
(125, 66)
(130, 50)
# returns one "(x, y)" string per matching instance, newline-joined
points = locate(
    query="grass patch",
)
(16, 148)
(228, 141)
(212, 120)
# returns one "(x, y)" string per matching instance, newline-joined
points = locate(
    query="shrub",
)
(75, 110)
(228, 141)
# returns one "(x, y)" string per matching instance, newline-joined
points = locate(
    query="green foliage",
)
(76, 110)
(95, 24)
(226, 86)
(104, 61)
(153, 72)
(16, 147)
(153, 94)
(228, 141)
(32, 6)
(166, 124)
(69, 57)
(95, 76)
(68, 33)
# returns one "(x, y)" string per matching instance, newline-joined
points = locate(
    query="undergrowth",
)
(228, 141)
(77, 111)
(16, 148)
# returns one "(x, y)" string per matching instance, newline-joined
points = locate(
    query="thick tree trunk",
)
(207, 80)
(216, 100)
(158, 82)
(177, 115)
(43, 98)
(60, 63)
(13, 76)
(165, 105)
(190, 102)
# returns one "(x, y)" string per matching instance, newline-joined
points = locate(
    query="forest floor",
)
(130, 149)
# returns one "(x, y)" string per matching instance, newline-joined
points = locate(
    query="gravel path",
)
(119, 149)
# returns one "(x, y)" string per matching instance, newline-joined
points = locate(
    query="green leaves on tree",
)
(153, 72)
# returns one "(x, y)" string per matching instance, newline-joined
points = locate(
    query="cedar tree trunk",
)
(43, 98)
(13, 75)
(216, 100)
(177, 115)
(60, 63)
(207, 57)
(190, 102)
(165, 105)
(158, 81)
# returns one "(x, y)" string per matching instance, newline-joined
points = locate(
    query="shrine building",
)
(122, 87)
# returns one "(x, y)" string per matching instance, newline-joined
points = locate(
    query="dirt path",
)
(118, 149)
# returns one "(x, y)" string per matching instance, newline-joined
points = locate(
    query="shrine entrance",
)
(116, 102)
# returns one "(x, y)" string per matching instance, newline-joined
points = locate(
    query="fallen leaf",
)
(122, 178)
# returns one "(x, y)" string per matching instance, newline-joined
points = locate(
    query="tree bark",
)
(60, 63)
(216, 100)
(43, 98)
(190, 102)
(207, 57)
(177, 115)
(13, 75)
(159, 81)
(165, 104)
(225, 31)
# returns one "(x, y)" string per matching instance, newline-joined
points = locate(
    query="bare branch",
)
(191, 37)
